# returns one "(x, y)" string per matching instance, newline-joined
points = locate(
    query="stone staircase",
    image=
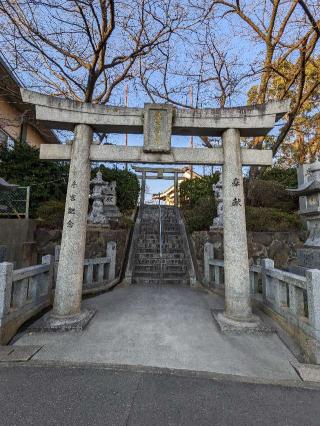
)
(165, 266)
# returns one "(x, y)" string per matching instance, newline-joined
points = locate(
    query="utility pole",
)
(126, 92)
(191, 137)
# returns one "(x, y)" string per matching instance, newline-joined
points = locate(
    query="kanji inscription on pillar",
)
(157, 127)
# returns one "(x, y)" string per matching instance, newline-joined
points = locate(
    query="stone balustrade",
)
(98, 272)
(23, 294)
(292, 300)
(26, 292)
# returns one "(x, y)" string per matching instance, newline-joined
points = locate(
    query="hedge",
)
(271, 194)
(272, 220)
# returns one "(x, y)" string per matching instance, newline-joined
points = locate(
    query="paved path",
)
(168, 327)
(109, 397)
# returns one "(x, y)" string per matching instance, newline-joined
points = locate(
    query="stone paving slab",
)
(5, 351)
(308, 372)
(18, 353)
(166, 327)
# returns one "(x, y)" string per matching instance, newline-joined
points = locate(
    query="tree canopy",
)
(191, 53)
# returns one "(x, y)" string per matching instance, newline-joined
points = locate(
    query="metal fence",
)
(15, 203)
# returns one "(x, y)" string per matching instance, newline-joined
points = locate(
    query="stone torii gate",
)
(157, 123)
(158, 173)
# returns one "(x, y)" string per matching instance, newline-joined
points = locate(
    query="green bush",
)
(272, 220)
(270, 194)
(200, 217)
(22, 166)
(287, 177)
(51, 213)
(128, 186)
(191, 191)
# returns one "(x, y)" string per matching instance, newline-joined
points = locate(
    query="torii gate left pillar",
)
(68, 293)
(158, 123)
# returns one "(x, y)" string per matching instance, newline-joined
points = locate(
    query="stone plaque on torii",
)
(157, 123)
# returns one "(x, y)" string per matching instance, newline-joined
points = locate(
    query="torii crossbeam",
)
(158, 123)
(158, 173)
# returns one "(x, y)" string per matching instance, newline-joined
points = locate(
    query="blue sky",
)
(228, 34)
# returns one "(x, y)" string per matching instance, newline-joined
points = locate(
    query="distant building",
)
(17, 119)
(168, 194)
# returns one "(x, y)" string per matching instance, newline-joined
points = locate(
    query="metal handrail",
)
(160, 227)
(160, 239)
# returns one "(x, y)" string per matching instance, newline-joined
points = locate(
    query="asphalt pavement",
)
(43, 394)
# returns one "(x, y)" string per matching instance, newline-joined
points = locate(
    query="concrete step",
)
(163, 281)
(172, 267)
(148, 255)
(156, 238)
(165, 253)
(155, 273)
(156, 247)
(159, 261)
(156, 269)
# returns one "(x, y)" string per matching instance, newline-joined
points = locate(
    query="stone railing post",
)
(143, 188)
(313, 292)
(49, 260)
(266, 264)
(6, 272)
(296, 301)
(57, 253)
(176, 190)
(217, 278)
(88, 274)
(112, 254)
(208, 254)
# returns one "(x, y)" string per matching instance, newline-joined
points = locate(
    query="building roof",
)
(10, 90)
(169, 192)
(5, 186)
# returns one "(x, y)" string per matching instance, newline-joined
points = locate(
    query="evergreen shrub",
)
(51, 213)
(271, 220)
(270, 194)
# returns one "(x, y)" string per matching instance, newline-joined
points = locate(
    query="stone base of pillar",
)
(49, 322)
(230, 326)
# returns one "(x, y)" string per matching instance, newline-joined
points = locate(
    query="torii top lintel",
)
(253, 120)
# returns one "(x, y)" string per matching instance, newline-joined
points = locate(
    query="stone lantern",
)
(104, 206)
(309, 203)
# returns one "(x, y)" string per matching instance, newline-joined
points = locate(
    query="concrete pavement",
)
(166, 327)
(56, 395)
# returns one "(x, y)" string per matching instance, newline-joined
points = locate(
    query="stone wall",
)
(96, 243)
(23, 242)
(279, 246)
(17, 242)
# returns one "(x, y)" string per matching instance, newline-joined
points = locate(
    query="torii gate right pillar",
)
(236, 265)
(237, 316)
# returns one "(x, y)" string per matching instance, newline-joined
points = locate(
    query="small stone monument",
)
(309, 202)
(110, 201)
(97, 215)
(218, 192)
